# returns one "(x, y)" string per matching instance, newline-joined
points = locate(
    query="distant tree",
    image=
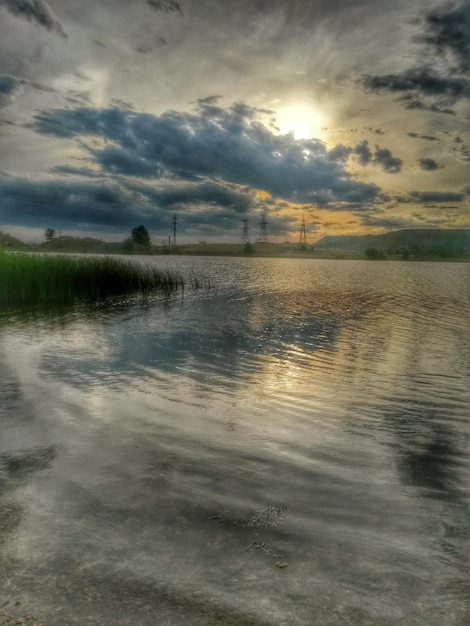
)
(373, 254)
(128, 246)
(405, 255)
(49, 234)
(248, 248)
(141, 236)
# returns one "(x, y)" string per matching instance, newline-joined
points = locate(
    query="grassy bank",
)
(33, 278)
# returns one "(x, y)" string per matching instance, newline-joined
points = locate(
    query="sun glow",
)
(302, 120)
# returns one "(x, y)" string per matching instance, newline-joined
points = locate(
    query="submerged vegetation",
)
(35, 278)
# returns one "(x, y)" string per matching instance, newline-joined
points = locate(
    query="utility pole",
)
(245, 229)
(175, 221)
(303, 234)
(263, 232)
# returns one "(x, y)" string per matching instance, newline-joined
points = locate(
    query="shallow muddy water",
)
(290, 446)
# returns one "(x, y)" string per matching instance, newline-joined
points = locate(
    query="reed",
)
(33, 278)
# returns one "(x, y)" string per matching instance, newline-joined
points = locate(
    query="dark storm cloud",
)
(89, 202)
(83, 204)
(437, 196)
(36, 11)
(174, 197)
(428, 165)
(436, 87)
(231, 144)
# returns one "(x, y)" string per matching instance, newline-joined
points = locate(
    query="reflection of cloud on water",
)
(17, 470)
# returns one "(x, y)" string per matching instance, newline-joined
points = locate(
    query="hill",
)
(7, 241)
(417, 243)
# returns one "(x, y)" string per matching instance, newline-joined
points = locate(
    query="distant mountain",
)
(418, 242)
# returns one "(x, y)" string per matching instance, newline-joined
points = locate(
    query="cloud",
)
(88, 203)
(435, 87)
(363, 152)
(381, 157)
(166, 6)
(436, 196)
(428, 165)
(425, 137)
(62, 203)
(150, 46)
(36, 11)
(422, 81)
(448, 31)
(9, 87)
(387, 161)
(230, 144)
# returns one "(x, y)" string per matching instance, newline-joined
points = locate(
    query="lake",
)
(288, 446)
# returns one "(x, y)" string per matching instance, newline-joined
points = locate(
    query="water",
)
(288, 447)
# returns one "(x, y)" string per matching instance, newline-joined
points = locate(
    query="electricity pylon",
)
(263, 232)
(245, 229)
(303, 234)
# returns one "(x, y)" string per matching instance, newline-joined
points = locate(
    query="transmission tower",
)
(263, 232)
(245, 229)
(303, 234)
(175, 222)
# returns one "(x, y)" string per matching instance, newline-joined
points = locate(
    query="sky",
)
(352, 115)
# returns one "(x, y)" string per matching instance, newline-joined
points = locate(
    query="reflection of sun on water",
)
(302, 120)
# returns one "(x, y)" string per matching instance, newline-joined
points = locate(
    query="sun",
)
(302, 120)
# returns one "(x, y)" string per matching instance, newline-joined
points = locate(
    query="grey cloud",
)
(166, 6)
(231, 144)
(36, 11)
(339, 153)
(434, 87)
(86, 203)
(363, 152)
(390, 223)
(9, 87)
(382, 157)
(74, 171)
(376, 131)
(422, 80)
(207, 193)
(448, 31)
(428, 165)
(412, 101)
(437, 196)
(145, 48)
(387, 161)
(426, 137)
(83, 204)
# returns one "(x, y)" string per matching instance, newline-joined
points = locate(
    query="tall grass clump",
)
(34, 278)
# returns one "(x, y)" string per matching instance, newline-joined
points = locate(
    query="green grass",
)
(35, 278)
